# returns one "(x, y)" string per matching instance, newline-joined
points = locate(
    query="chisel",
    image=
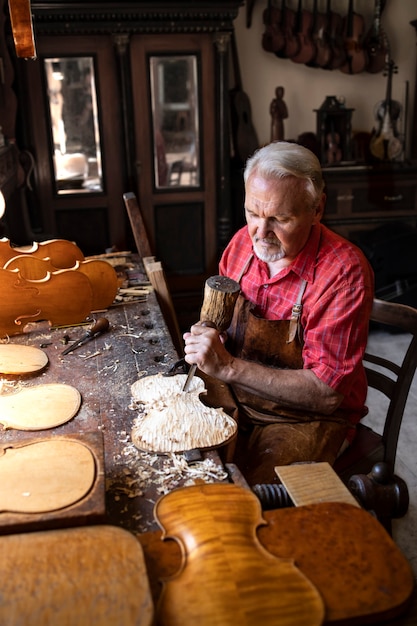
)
(101, 325)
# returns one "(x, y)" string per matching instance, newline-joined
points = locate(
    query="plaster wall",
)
(306, 88)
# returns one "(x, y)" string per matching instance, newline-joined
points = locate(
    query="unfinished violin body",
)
(62, 253)
(51, 281)
(101, 275)
(226, 576)
(62, 297)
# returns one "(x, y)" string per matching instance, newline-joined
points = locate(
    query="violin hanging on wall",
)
(376, 42)
(303, 28)
(335, 31)
(273, 36)
(385, 143)
(354, 26)
(321, 38)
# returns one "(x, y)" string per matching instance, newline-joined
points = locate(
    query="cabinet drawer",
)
(364, 193)
(381, 196)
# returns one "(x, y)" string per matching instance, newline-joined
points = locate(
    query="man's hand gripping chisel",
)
(220, 294)
(101, 325)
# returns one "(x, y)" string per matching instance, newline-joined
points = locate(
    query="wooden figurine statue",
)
(279, 113)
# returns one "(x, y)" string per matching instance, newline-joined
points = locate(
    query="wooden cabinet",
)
(364, 198)
(160, 133)
(376, 208)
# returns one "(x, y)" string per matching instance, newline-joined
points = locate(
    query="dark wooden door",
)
(178, 201)
(95, 219)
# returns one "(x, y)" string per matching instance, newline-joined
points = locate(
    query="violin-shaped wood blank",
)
(63, 297)
(226, 576)
(45, 476)
(16, 359)
(63, 253)
(102, 275)
(40, 407)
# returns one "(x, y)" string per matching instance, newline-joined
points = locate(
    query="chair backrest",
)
(390, 378)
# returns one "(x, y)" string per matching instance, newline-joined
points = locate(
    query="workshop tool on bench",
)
(100, 326)
(220, 295)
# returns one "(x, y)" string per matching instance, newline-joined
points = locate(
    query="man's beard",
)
(269, 257)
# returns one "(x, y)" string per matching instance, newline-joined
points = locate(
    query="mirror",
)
(175, 116)
(74, 124)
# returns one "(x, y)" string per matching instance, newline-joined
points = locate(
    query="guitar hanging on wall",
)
(385, 143)
(245, 139)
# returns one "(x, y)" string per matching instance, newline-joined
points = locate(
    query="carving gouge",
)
(101, 325)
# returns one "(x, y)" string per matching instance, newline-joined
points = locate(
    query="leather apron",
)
(271, 434)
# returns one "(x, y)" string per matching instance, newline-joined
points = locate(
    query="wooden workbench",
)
(103, 371)
(130, 482)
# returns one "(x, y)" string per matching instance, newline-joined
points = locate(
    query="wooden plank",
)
(94, 575)
(312, 483)
(158, 280)
(138, 225)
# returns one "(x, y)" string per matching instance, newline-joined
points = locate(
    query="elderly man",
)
(293, 355)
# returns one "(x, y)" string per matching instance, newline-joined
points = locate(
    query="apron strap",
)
(245, 267)
(294, 326)
(295, 321)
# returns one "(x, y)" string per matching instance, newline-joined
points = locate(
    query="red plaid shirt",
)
(336, 305)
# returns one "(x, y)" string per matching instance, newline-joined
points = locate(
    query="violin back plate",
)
(226, 576)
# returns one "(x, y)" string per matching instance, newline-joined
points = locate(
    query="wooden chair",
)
(367, 466)
(154, 270)
(394, 381)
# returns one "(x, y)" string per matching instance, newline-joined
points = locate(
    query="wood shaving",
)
(173, 421)
(9, 386)
(148, 476)
(150, 389)
(142, 471)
